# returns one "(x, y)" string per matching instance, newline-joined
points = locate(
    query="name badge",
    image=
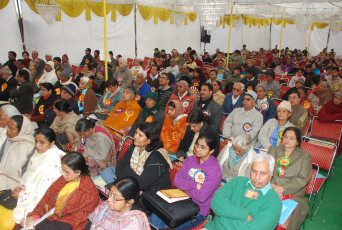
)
(252, 194)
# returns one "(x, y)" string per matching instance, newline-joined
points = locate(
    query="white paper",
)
(31, 226)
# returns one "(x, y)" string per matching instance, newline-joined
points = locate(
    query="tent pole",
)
(281, 34)
(230, 31)
(135, 31)
(311, 28)
(105, 38)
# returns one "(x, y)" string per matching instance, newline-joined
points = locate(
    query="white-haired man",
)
(248, 203)
(234, 99)
(236, 158)
(9, 82)
(183, 96)
(141, 85)
(123, 74)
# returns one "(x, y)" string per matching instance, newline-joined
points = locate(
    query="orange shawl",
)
(123, 116)
(172, 135)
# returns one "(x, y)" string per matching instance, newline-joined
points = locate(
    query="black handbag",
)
(173, 214)
(7, 200)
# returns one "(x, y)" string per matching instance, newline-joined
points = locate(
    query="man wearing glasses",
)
(233, 100)
(244, 120)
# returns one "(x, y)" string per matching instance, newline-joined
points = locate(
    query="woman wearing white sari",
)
(43, 169)
(15, 151)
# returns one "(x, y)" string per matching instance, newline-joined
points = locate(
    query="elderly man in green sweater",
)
(248, 203)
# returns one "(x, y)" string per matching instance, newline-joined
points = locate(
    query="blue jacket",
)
(228, 106)
(145, 89)
(270, 112)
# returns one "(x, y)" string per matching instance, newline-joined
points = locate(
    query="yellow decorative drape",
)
(74, 8)
(3, 3)
(147, 12)
(256, 21)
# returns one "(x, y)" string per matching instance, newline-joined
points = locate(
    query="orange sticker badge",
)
(153, 89)
(307, 105)
(107, 102)
(58, 91)
(129, 113)
(81, 98)
(3, 87)
(175, 136)
(138, 97)
(186, 104)
(87, 61)
(264, 106)
(41, 109)
(36, 80)
(247, 127)
(249, 88)
(196, 84)
(149, 119)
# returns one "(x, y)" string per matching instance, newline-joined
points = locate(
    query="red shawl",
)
(330, 112)
(78, 207)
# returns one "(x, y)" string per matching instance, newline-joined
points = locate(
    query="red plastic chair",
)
(222, 122)
(285, 88)
(126, 144)
(328, 131)
(74, 69)
(199, 226)
(222, 145)
(175, 169)
(117, 142)
(79, 70)
(323, 156)
(262, 79)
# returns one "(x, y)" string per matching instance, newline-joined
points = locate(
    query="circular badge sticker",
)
(307, 105)
(58, 91)
(249, 88)
(264, 106)
(153, 89)
(138, 97)
(149, 119)
(81, 98)
(87, 61)
(186, 104)
(270, 93)
(336, 87)
(200, 176)
(41, 109)
(175, 136)
(284, 161)
(119, 79)
(58, 73)
(107, 102)
(3, 87)
(206, 112)
(196, 84)
(280, 134)
(247, 127)
(36, 80)
(129, 112)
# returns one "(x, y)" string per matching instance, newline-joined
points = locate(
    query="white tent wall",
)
(294, 39)
(9, 33)
(335, 43)
(73, 35)
(166, 36)
(219, 39)
(256, 38)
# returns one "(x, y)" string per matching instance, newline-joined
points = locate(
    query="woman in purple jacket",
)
(199, 177)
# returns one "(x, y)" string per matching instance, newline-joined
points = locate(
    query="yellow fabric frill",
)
(3, 4)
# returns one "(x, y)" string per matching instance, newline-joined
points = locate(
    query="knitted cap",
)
(152, 95)
(252, 94)
(70, 89)
(300, 80)
(102, 71)
(50, 63)
(285, 105)
(172, 60)
(66, 72)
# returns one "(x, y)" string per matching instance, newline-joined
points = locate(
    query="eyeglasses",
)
(201, 146)
(111, 195)
(289, 138)
(237, 89)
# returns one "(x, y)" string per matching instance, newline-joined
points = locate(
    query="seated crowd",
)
(58, 131)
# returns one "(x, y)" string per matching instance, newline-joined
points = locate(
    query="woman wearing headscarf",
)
(110, 98)
(99, 82)
(97, 145)
(38, 70)
(289, 65)
(320, 95)
(16, 151)
(86, 72)
(87, 99)
(331, 110)
(124, 113)
(43, 169)
(150, 113)
(174, 127)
